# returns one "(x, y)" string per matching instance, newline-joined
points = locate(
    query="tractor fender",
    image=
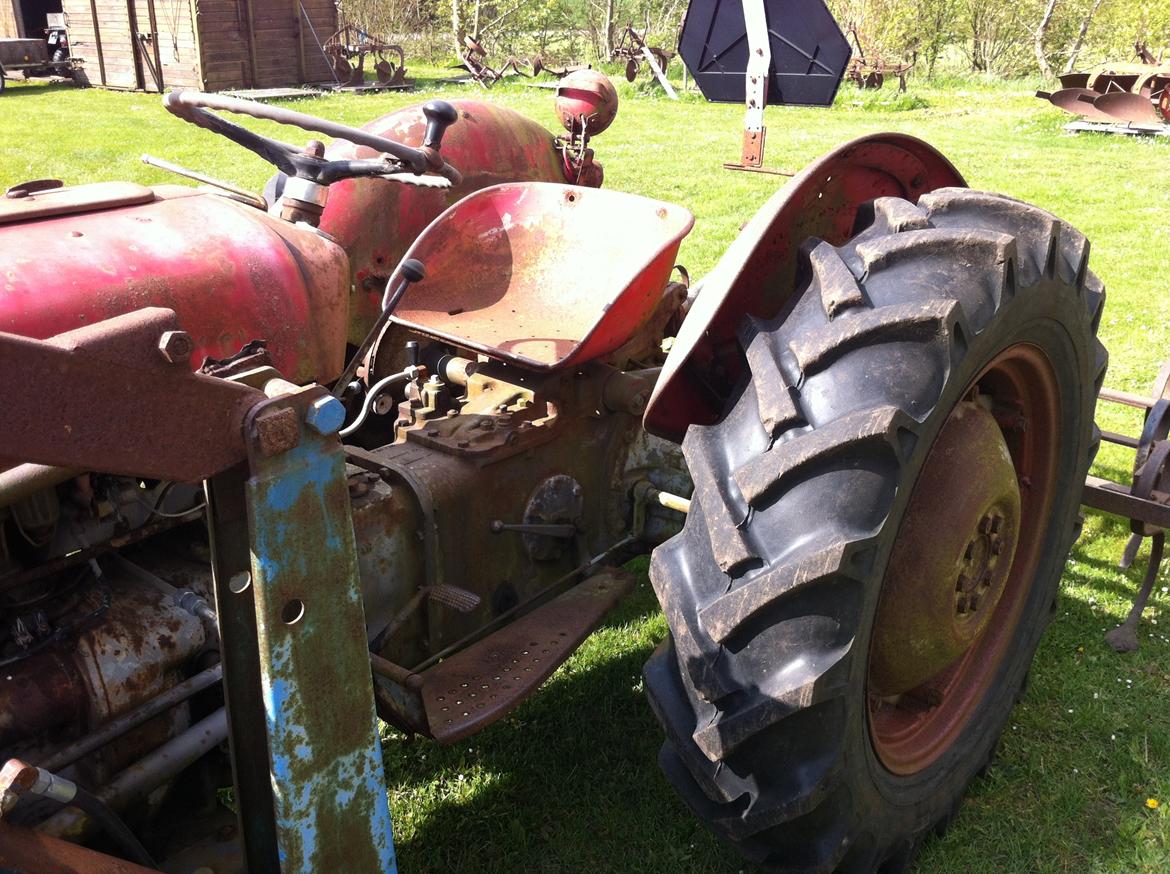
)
(376, 220)
(757, 274)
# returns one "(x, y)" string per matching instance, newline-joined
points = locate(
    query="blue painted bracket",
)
(328, 783)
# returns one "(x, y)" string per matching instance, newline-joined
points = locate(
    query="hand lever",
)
(412, 271)
(440, 116)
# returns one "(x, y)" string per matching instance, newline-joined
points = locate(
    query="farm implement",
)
(1131, 93)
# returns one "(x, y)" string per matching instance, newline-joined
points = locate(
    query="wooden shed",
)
(25, 19)
(213, 45)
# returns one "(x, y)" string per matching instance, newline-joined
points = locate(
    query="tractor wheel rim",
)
(974, 532)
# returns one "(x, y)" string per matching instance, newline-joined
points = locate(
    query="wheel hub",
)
(952, 558)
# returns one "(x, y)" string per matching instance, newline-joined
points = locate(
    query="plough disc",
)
(1078, 101)
(1126, 106)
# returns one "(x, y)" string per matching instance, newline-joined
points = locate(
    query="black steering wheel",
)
(308, 162)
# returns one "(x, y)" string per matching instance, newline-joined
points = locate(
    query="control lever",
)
(440, 115)
(412, 271)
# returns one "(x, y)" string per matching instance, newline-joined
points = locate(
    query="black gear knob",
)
(413, 270)
(440, 116)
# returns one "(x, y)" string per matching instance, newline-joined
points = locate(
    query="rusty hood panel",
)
(232, 273)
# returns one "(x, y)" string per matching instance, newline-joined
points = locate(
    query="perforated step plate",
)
(486, 681)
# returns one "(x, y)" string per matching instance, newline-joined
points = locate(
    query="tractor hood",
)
(70, 257)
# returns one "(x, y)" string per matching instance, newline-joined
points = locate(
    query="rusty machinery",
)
(244, 517)
(868, 70)
(1129, 92)
(632, 48)
(473, 59)
(352, 42)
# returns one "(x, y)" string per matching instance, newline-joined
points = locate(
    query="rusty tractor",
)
(1132, 92)
(240, 434)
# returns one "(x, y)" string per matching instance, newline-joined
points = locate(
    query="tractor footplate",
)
(486, 681)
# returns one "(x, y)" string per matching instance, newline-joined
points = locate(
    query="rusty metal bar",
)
(147, 774)
(324, 750)
(1101, 494)
(1129, 399)
(1120, 439)
(248, 737)
(118, 726)
(119, 397)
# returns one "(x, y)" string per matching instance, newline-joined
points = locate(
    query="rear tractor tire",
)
(877, 533)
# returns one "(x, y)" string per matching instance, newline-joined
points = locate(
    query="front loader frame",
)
(284, 567)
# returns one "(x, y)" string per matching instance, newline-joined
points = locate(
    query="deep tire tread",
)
(928, 277)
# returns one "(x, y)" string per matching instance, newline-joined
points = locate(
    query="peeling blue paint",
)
(303, 546)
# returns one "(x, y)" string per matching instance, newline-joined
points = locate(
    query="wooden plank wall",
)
(256, 43)
(117, 55)
(177, 53)
(10, 25)
(210, 44)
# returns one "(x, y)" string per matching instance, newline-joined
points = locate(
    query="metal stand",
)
(756, 92)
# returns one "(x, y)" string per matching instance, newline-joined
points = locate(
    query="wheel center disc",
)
(953, 555)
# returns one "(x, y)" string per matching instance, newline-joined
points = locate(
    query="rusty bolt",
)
(432, 432)
(463, 444)
(176, 346)
(325, 415)
(277, 431)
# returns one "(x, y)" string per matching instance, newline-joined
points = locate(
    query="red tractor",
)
(377, 444)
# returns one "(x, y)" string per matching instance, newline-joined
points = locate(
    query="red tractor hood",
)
(231, 272)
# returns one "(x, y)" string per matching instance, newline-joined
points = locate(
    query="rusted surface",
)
(1134, 92)
(376, 220)
(232, 273)
(38, 694)
(326, 772)
(1146, 501)
(117, 405)
(913, 727)
(350, 43)
(756, 275)
(75, 199)
(23, 851)
(563, 275)
(486, 681)
(952, 556)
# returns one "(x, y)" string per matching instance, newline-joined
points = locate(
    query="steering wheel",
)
(308, 162)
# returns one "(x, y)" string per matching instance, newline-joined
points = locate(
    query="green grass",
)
(569, 782)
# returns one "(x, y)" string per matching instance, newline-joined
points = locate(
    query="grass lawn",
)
(569, 782)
